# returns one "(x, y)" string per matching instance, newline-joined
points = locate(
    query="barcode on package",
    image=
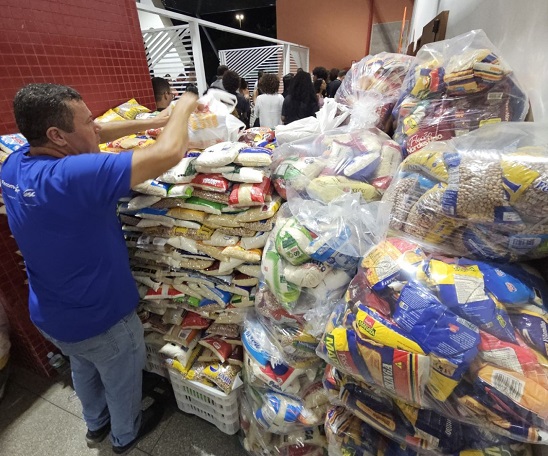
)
(509, 386)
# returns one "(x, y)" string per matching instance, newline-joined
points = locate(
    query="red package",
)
(192, 320)
(237, 356)
(218, 346)
(515, 357)
(359, 291)
(164, 292)
(250, 194)
(211, 182)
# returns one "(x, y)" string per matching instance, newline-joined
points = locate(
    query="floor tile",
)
(192, 436)
(137, 452)
(32, 426)
(58, 391)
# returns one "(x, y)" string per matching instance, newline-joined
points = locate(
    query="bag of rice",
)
(182, 173)
(220, 154)
(211, 182)
(199, 204)
(245, 175)
(187, 214)
(250, 194)
(256, 214)
(254, 156)
(237, 251)
(222, 240)
(153, 188)
(180, 191)
(254, 242)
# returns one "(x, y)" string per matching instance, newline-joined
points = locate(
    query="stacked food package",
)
(483, 195)
(307, 263)
(195, 236)
(439, 345)
(456, 86)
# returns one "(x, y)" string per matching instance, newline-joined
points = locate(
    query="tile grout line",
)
(159, 437)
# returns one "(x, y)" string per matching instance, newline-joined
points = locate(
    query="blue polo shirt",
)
(62, 213)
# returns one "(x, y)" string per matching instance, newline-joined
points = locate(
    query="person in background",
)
(319, 87)
(301, 101)
(244, 89)
(218, 82)
(163, 94)
(333, 73)
(286, 82)
(231, 83)
(170, 81)
(333, 86)
(61, 196)
(320, 72)
(268, 107)
(257, 90)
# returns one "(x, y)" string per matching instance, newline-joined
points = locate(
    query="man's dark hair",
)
(38, 107)
(320, 73)
(231, 81)
(160, 86)
(221, 70)
(342, 73)
(333, 73)
(269, 83)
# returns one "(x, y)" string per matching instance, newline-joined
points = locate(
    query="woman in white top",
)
(268, 107)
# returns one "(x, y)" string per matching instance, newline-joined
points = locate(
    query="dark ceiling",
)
(203, 7)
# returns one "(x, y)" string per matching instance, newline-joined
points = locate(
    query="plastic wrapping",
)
(482, 195)
(257, 442)
(447, 334)
(324, 167)
(456, 86)
(371, 88)
(309, 258)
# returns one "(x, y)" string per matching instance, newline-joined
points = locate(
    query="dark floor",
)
(43, 417)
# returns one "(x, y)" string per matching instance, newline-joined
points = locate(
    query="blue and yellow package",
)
(463, 290)
(373, 326)
(451, 341)
(531, 322)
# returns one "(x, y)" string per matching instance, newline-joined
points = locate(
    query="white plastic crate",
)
(208, 403)
(156, 365)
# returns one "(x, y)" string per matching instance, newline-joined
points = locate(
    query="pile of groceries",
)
(372, 284)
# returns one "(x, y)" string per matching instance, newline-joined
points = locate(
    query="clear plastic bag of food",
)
(456, 86)
(457, 336)
(482, 195)
(326, 166)
(298, 442)
(374, 82)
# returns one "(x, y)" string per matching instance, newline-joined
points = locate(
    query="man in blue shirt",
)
(61, 196)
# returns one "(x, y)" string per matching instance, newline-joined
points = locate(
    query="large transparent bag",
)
(257, 442)
(464, 338)
(372, 86)
(347, 434)
(344, 160)
(214, 123)
(482, 195)
(414, 429)
(456, 86)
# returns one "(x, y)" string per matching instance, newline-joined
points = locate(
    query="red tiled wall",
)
(94, 46)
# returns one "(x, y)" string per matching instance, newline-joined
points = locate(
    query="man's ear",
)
(56, 136)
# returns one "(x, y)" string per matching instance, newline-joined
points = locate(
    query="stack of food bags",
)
(441, 353)
(482, 195)
(195, 237)
(374, 80)
(456, 86)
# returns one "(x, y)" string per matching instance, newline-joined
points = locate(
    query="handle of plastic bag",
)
(224, 97)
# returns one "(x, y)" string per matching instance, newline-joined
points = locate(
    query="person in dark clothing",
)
(218, 82)
(231, 83)
(320, 72)
(287, 81)
(333, 74)
(301, 101)
(333, 86)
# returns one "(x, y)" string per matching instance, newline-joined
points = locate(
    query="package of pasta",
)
(454, 87)
(130, 109)
(245, 195)
(479, 195)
